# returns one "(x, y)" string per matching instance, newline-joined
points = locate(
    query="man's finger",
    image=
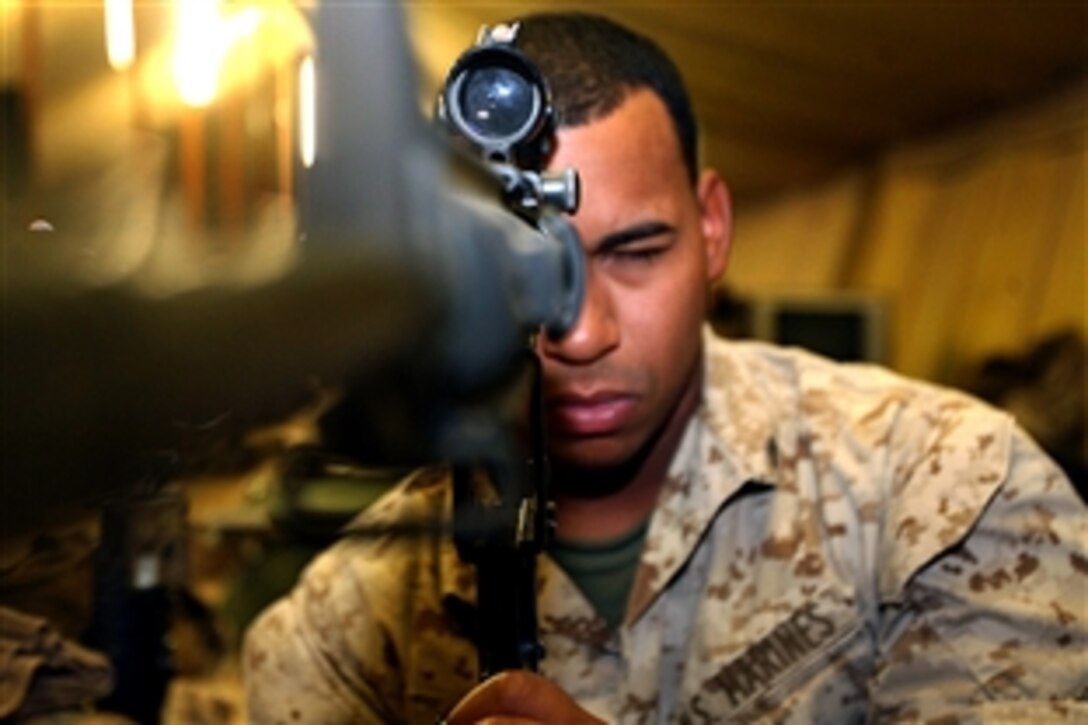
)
(518, 696)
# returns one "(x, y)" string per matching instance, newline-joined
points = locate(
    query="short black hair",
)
(592, 64)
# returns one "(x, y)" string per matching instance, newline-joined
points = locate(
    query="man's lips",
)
(589, 414)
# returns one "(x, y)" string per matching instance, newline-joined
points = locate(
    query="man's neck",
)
(632, 498)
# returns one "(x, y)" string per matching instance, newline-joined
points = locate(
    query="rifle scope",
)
(497, 99)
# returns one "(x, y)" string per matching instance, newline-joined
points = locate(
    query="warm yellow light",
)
(242, 24)
(204, 37)
(197, 56)
(120, 34)
(307, 112)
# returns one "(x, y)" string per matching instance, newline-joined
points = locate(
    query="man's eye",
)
(639, 255)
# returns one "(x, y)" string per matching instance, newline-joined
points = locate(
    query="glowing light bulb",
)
(307, 116)
(120, 34)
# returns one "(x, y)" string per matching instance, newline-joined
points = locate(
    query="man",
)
(743, 531)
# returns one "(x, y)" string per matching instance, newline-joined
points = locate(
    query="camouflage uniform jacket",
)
(833, 544)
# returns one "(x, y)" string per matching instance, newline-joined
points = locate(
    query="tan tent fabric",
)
(976, 237)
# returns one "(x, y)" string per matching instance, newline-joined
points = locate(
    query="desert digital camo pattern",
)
(833, 544)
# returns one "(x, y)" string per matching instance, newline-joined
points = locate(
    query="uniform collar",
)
(740, 410)
(727, 448)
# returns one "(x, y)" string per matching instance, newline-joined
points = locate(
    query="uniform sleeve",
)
(304, 659)
(995, 628)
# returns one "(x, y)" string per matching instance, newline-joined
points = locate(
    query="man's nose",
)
(594, 334)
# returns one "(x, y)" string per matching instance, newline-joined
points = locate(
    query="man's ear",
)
(716, 218)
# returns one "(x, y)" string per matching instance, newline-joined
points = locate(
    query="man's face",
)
(652, 243)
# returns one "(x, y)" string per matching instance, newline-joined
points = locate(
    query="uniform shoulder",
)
(826, 392)
(399, 531)
(421, 494)
(923, 461)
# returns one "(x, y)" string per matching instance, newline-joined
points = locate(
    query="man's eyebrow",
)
(633, 234)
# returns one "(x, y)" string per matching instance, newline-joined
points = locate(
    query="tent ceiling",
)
(789, 92)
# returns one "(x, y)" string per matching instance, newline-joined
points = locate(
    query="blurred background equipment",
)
(850, 327)
(140, 586)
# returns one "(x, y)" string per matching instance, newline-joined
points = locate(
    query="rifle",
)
(495, 107)
(496, 100)
(97, 380)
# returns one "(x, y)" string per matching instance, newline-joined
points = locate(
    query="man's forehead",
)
(630, 168)
(640, 129)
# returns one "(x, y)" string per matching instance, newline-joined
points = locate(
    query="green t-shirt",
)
(603, 571)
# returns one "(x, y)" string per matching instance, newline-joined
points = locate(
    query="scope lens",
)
(497, 102)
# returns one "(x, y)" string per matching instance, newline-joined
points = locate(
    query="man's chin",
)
(592, 453)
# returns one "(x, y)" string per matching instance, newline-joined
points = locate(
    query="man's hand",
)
(518, 697)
